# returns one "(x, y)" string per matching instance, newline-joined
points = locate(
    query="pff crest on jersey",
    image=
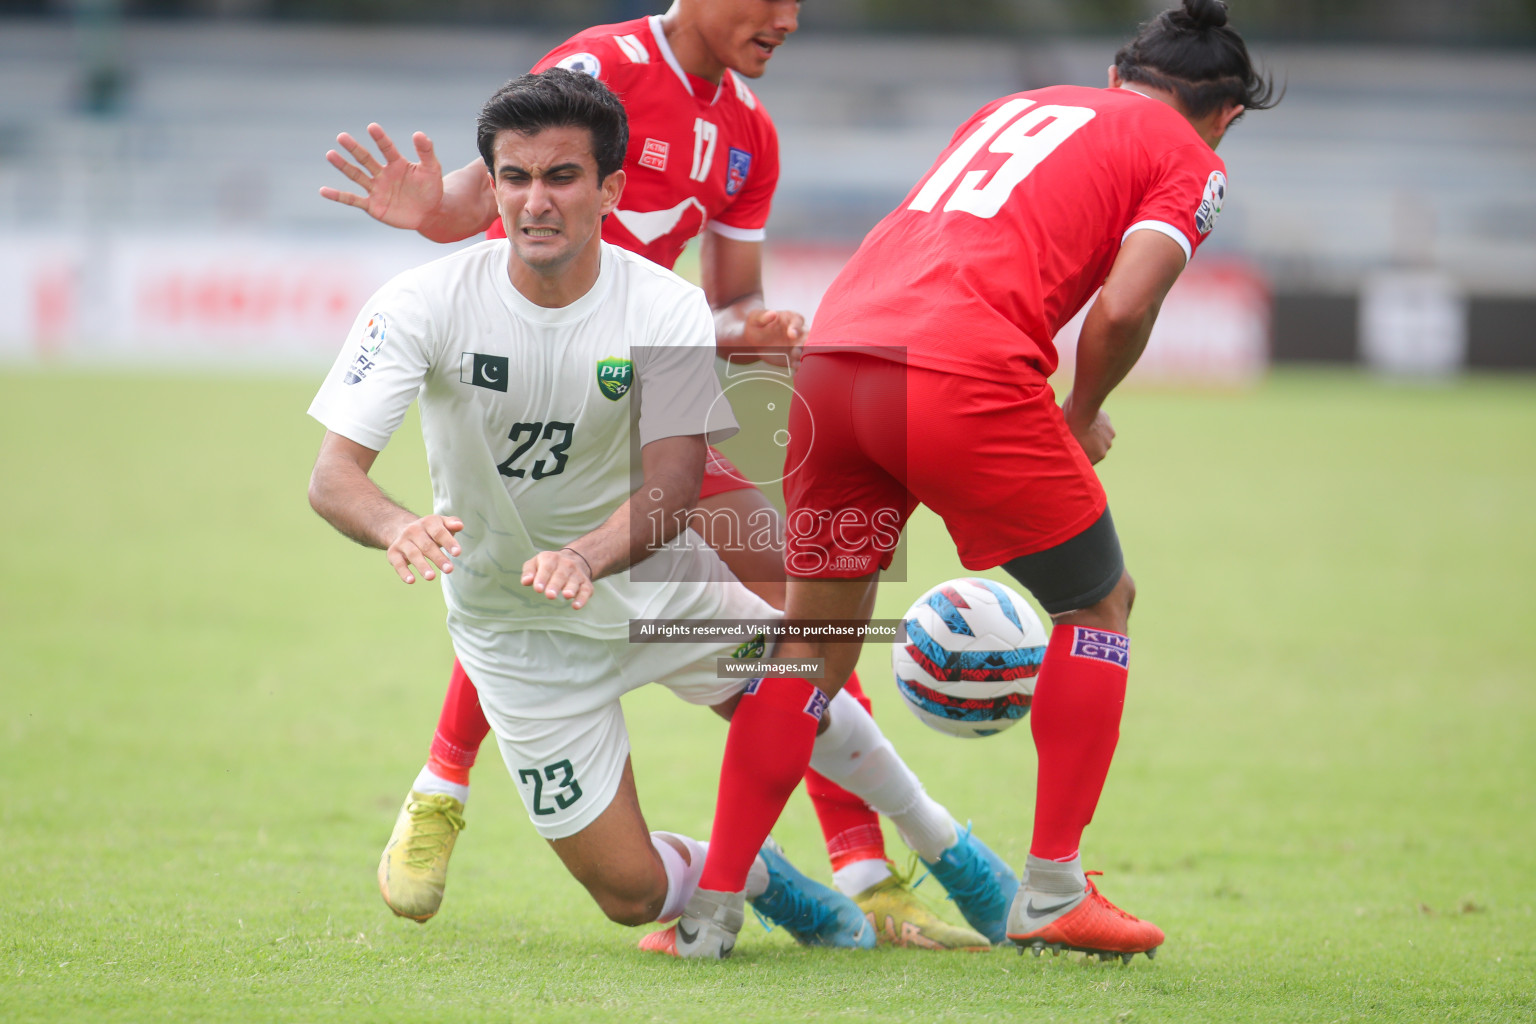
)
(614, 377)
(754, 648)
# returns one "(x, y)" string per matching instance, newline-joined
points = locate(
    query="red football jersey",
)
(1015, 227)
(699, 154)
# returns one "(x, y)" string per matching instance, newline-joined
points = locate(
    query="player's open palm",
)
(397, 192)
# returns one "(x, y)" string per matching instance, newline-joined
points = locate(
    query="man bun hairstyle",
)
(1201, 14)
(1192, 52)
(557, 98)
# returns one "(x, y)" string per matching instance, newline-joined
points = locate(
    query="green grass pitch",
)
(1325, 790)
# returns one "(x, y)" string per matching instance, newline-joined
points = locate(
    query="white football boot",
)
(709, 924)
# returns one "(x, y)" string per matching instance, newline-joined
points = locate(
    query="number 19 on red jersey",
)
(1028, 140)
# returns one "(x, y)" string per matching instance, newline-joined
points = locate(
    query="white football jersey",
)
(534, 419)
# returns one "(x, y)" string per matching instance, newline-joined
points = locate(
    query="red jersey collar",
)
(665, 49)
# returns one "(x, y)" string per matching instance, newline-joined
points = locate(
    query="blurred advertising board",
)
(191, 299)
(158, 298)
(1413, 323)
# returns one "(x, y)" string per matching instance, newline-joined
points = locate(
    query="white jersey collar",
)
(660, 35)
(526, 309)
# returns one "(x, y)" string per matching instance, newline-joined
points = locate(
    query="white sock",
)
(853, 878)
(853, 753)
(1055, 877)
(429, 781)
(757, 874)
(682, 872)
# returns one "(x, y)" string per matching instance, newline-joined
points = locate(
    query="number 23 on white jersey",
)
(1028, 139)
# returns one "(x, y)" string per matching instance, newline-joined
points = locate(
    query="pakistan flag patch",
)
(614, 376)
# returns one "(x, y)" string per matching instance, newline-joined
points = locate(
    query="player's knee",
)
(632, 913)
(629, 907)
(1114, 611)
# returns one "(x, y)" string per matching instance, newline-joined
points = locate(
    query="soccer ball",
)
(972, 653)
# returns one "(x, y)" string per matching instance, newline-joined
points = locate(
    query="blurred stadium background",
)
(159, 162)
(213, 703)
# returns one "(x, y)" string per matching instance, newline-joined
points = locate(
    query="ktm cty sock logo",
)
(1101, 645)
(817, 705)
(483, 371)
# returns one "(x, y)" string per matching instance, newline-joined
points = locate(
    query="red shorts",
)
(721, 475)
(870, 438)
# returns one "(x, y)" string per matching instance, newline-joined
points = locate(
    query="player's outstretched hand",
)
(775, 336)
(1095, 436)
(398, 192)
(425, 543)
(558, 574)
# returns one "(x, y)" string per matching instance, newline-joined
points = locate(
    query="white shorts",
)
(567, 756)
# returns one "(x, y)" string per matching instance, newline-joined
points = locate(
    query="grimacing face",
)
(743, 34)
(551, 199)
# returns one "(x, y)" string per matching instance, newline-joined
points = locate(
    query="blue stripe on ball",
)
(1004, 601)
(949, 613)
(951, 664)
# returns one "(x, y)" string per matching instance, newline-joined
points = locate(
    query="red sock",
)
(851, 828)
(461, 728)
(1075, 718)
(766, 754)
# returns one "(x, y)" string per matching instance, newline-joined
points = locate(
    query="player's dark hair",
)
(1193, 52)
(557, 98)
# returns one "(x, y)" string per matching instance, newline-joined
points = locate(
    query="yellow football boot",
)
(414, 867)
(901, 919)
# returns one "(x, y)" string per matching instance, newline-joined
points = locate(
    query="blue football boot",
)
(814, 914)
(978, 881)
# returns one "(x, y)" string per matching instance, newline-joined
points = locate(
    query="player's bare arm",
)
(345, 496)
(672, 470)
(414, 195)
(732, 275)
(1115, 332)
